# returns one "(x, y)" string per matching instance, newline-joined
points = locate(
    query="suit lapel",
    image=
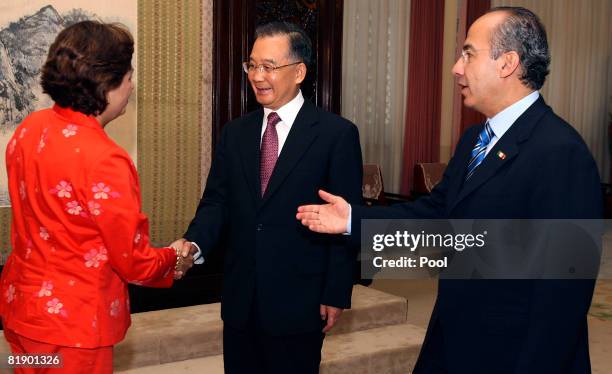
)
(490, 165)
(249, 151)
(301, 135)
(504, 151)
(463, 157)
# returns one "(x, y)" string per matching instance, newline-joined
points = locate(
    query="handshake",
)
(186, 254)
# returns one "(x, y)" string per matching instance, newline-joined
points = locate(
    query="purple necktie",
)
(269, 151)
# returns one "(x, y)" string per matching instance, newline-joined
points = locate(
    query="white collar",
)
(289, 111)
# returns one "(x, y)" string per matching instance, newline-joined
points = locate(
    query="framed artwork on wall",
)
(27, 29)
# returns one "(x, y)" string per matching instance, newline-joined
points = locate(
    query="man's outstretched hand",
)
(330, 218)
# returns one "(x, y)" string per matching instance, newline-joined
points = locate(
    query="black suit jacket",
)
(513, 326)
(271, 257)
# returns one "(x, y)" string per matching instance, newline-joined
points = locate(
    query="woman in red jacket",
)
(78, 233)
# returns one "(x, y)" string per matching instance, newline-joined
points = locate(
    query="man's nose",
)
(257, 74)
(458, 67)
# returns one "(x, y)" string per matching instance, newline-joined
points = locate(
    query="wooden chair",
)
(372, 189)
(426, 176)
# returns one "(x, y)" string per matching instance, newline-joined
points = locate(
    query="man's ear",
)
(300, 73)
(508, 64)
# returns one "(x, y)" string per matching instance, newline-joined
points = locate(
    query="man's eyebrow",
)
(468, 47)
(266, 60)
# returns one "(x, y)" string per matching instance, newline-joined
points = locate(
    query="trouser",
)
(250, 350)
(74, 360)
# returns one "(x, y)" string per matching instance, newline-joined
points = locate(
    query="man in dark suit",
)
(284, 287)
(524, 162)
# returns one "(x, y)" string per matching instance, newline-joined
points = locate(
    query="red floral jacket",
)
(78, 234)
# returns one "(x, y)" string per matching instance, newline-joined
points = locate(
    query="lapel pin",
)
(501, 155)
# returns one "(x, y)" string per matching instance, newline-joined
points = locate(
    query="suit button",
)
(259, 227)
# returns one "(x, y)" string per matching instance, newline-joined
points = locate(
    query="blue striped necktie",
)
(480, 149)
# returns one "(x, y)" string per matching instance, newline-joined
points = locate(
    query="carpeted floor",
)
(601, 307)
(600, 328)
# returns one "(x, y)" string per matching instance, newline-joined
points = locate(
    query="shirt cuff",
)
(198, 259)
(349, 221)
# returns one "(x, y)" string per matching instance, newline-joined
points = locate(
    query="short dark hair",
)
(85, 62)
(300, 46)
(523, 32)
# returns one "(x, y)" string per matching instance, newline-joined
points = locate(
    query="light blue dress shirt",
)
(500, 123)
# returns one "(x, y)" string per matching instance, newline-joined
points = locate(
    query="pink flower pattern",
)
(115, 308)
(28, 249)
(63, 189)
(10, 293)
(44, 234)
(22, 190)
(22, 133)
(103, 191)
(94, 208)
(74, 208)
(95, 256)
(43, 140)
(69, 131)
(46, 288)
(137, 237)
(100, 191)
(12, 146)
(54, 306)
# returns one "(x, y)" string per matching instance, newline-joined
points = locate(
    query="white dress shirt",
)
(287, 114)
